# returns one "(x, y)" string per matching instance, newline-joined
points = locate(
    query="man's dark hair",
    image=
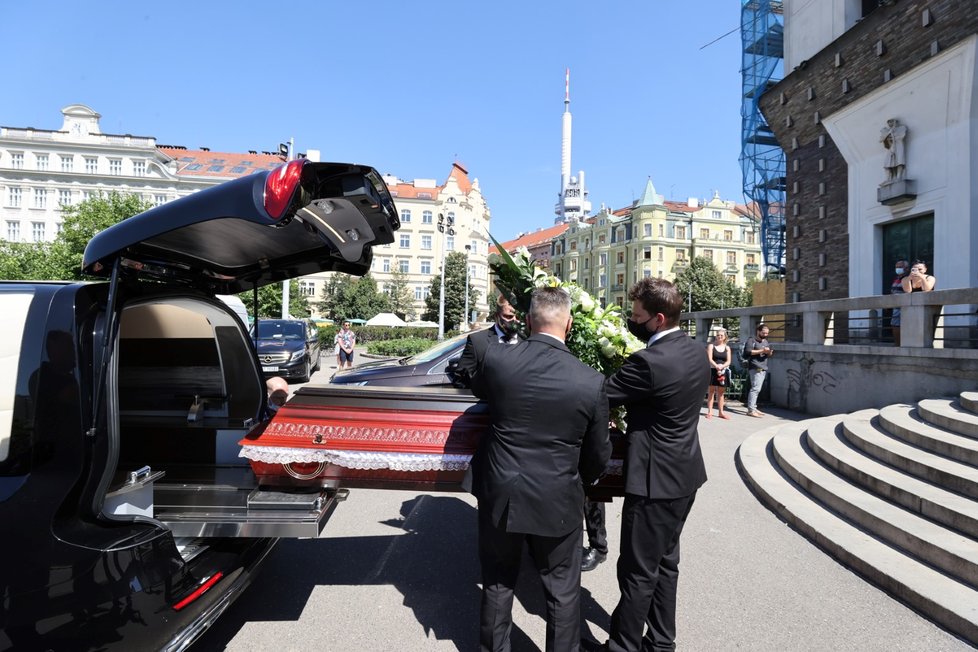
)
(658, 295)
(759, 327)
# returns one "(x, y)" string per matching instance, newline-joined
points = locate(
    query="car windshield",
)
(280, 330)
(437, 350)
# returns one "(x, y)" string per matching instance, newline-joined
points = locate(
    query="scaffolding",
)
(762, 159)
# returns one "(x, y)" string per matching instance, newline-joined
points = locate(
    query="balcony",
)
(752, 267)
(620, 287)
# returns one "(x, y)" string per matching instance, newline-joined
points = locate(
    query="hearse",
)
(129, 519)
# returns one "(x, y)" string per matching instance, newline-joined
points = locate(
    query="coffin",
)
(418, 438)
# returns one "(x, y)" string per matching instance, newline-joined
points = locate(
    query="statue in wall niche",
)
(892, 137)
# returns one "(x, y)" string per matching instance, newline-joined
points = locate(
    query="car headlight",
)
(298, 355)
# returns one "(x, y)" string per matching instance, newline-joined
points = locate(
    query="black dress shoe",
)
(591, 559)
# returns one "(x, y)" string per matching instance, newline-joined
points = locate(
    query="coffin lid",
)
(223, 239)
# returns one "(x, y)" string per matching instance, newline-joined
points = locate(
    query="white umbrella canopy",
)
(422, 324)
(385, 319)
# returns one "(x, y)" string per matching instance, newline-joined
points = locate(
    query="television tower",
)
(572, 200)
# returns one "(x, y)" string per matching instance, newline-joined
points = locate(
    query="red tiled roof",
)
(461, 177)
(531, 240)
(200, 163)
(409, 191)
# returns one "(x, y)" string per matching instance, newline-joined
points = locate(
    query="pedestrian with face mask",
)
(505, 330)
(901, 269)
(662, 387)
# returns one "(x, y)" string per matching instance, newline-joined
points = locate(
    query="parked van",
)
(129, 520)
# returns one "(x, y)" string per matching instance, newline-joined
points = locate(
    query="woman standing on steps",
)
(718, 353)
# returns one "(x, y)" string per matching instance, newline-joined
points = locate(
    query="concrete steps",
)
(891, 493)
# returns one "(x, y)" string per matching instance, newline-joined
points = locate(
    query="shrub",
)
(399, 348)
(368, 334)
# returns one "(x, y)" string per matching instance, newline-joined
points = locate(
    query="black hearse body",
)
(128, 519)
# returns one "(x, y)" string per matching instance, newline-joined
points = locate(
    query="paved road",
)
(398, 571)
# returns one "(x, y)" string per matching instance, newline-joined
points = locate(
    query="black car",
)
(429, 368)
(287, 347)
(129, 520)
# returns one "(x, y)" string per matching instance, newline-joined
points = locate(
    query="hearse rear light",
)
(199, 591)
(280, 185)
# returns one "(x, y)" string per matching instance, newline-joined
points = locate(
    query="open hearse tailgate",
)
(382, 437)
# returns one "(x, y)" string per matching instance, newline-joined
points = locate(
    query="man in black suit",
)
(504, 331)
(548, 437)
(662, 386)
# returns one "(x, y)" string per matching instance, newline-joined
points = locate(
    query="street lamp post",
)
(445, 228)
(692, 252)
(465, 317)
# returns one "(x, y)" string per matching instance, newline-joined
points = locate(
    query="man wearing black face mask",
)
(662, 386)
(504, 331)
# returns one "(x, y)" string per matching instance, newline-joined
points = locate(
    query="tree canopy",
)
(347, 297)
(454, 292)
(270, 301)
(62, 258)
(399, 298)
(711, 290)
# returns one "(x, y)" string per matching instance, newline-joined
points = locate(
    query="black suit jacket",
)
(548, 435)
(476, 345)
(662, 387)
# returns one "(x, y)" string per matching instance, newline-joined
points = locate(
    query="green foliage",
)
(62, 259)
(399, 298)
(711, 289)
(270, 301)
(368, 334)
(347, 297)
(455, 263)
(400, 347)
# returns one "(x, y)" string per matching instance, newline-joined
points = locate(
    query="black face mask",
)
(639, 330)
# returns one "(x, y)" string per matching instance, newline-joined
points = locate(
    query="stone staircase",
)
(891, 493)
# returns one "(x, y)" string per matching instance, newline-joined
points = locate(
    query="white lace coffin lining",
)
(364, 460)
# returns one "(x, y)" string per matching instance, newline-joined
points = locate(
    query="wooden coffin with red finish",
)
(418, 438)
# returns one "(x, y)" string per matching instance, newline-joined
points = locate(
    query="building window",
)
(450, 243)
(621, 257)
(708, 254)
(705, 234)
(404, 265)
(601, 239)
(307, 288)
(87, 194)
(42, 161)
(662, 253)
(67, 163)
(159, 200)
(728, 235)
(716, 215)
(731, 257)
(115, 166)
(405, 216)
(57, 228)
(40, 198)
(680, 232)
(405, 241)
(647, 230)
(417, 293)
(619, 279)
(662, 230)
(139, 168)
(647, 254)
(64, 197)
(602, 281)
(573, 245)
(425, 291)
(17, 160)
(426, 242)
(426, 267)
(750, 237)
(426, 217)
(13, 197)
(91, 165)
(474, 244)
(386, 265)
(680, 255)
(603, 260)
(587, 263)
(751, 259)
(13, 231)
(732, 278)
(573, 265)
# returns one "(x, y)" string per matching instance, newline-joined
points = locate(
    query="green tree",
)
(399, 298)
(711, 290)
(346, 297)
(270, 301)
(62, 258)
(81, 223)
(454, 292)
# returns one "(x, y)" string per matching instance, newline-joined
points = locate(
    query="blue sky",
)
(406, 87)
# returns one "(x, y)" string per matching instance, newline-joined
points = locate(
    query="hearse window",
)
(14, 307)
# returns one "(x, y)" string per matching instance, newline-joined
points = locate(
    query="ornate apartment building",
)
(655, 237)
(420, 247)
(42, 170)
